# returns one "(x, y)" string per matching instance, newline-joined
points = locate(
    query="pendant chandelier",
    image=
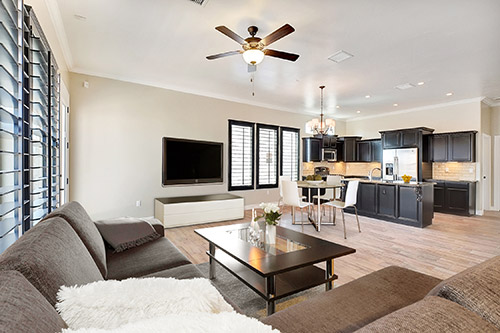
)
(321, 126)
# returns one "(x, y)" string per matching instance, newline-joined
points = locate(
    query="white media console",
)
(181, 211)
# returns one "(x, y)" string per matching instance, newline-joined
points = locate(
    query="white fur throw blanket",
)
(224, 322)
(111, 304)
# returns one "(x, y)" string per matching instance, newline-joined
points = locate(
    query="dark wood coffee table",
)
(273, 271)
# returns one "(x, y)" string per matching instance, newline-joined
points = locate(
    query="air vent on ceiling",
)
(404, 86)
(340, 56)
(199, 2)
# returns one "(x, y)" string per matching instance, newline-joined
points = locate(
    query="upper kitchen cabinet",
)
(454, 147)
(350, 149)
(369, 151)
(404, 138)
(311, 151)
(329, 141)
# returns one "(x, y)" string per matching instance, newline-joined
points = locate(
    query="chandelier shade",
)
(321, 126)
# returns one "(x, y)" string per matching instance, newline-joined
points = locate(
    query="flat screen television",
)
(191, 162)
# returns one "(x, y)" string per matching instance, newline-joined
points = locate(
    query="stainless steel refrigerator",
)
(399, 162)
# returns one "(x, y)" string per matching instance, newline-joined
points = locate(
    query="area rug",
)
(248, 301)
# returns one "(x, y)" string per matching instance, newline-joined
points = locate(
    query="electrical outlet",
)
(267, 192)
(138, 203)
(86, 84)
(471, 170)
(446, 170)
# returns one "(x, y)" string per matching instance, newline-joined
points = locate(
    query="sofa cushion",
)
(23, 308)
(476, 288)
(146, 259)
(51, 255)
(355, 304)
(78, 218)
(180, 272)
(432, 314)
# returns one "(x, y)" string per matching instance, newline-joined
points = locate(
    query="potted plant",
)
(272, 216)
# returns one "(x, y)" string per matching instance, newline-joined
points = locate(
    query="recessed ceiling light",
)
(80, 17)
(367, 96)
(338, 106)
(421, 83)
(395, 104)
(449, 94)
(340, 56)
(404, 86)
(358, 111)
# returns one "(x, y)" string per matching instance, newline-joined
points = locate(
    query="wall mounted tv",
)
(191, 162)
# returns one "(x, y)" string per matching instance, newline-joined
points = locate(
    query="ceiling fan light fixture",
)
(253, 56)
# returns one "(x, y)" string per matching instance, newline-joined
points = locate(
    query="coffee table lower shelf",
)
(287, 283)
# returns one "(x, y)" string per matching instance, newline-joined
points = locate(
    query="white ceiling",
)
(451, 45)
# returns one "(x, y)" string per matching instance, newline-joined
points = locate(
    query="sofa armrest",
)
(158, 226)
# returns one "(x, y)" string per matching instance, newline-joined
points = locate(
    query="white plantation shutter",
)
(290, 157)
(241, 155)
(267, 156)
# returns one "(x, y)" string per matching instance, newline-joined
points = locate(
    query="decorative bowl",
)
(314, 182)
(406, 178)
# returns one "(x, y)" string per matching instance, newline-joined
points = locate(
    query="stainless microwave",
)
(330, 155)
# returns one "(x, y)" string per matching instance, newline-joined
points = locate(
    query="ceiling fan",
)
(255, 48)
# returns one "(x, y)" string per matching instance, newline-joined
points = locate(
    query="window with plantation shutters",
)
(267, 156)
(290, 157)
(241, 155)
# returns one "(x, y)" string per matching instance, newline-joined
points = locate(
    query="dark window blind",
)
(267, 156)
(241, 152)
(11, 122)
(290, 158)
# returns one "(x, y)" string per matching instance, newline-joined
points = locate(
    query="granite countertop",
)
(390, 182)
(447, 180)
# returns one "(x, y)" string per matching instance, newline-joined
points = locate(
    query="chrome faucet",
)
(371, 172)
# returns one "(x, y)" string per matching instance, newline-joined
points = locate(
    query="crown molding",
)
(55, 16)
(420, 108)
(490, 102)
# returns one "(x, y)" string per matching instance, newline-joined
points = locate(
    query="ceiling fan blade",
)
(222, 55)
(252, 68)
(231, 34)
(278, 34)
(281, 55)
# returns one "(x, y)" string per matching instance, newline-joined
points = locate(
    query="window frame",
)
(289, 129)
(232, 122)
(257, 154)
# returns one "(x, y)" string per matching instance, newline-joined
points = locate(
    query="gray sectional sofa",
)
(66, 249)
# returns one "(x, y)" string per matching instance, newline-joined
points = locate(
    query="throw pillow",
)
(126, 232)
(110, 304)
(225, 322)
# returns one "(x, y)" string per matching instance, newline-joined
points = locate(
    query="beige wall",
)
(115, 135)
(445, 118)
(43, 15)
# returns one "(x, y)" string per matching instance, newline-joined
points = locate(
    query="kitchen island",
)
(395, 201)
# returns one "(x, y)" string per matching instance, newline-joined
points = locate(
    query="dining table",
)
(317, 185)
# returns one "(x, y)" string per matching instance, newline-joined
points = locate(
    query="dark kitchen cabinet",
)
(311, 151)
(404, 138)
(440, 148)
(454, 147)
(457, 198)
(386, 200)
(364, 151)
(391, 140)
(329, 141)
(350, 149)
(408, 209)
(461, 147)
(367, 194)
(377, 151)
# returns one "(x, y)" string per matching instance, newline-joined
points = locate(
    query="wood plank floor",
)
(450, 245)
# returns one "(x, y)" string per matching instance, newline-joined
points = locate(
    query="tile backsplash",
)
(454, 171)
(342, 168)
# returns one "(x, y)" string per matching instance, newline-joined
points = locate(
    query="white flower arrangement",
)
(271, 213)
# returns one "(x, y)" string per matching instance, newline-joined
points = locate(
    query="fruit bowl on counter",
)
(314, 182)
(406, 179)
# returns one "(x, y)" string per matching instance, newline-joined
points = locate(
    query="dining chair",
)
(350, 201)
(330, 193)
(280, 187)
(291, 198)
